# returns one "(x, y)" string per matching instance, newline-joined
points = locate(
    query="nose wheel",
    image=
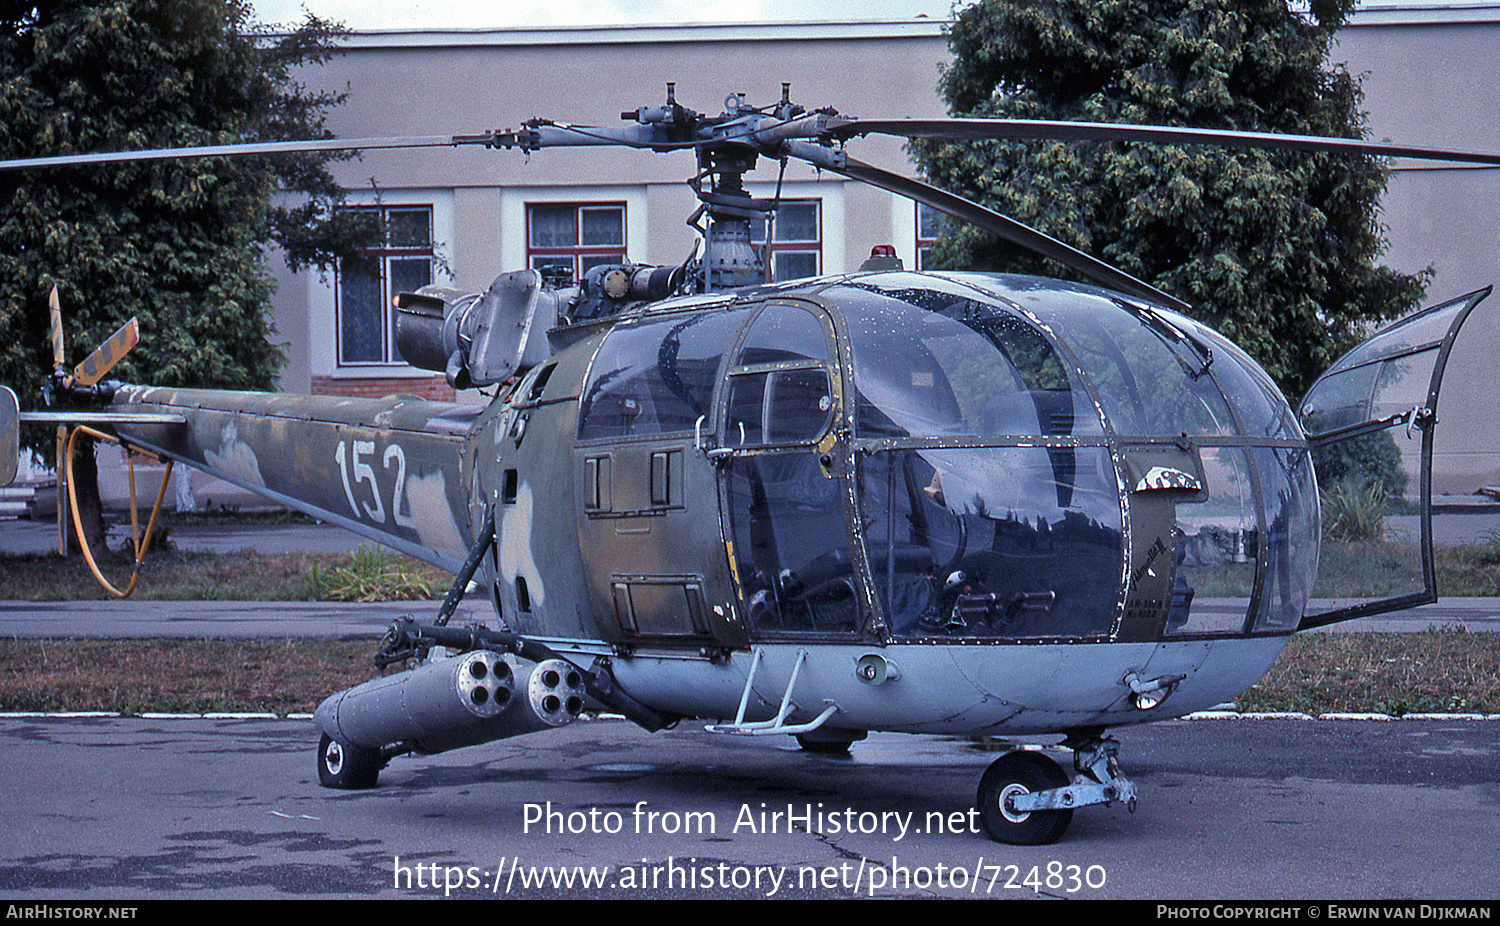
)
(1015, 777)
(1026, 799)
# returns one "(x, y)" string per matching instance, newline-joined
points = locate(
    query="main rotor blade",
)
(1008, 229)
(1031, 129)
(537, 133)
(249, 148)
(106, 355)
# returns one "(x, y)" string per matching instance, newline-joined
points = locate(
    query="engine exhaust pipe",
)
(449, 703)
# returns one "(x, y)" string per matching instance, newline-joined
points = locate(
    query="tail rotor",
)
(80, 381)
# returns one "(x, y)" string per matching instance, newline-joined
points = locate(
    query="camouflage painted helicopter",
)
(883, 500)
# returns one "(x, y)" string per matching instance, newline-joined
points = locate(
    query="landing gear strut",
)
(1026, 799)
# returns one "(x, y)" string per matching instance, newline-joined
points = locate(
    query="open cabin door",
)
(1373, 420)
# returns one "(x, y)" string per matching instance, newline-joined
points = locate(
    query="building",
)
(1429, 80)
(463, 216)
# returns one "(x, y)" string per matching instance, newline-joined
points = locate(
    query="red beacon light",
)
(882, 257)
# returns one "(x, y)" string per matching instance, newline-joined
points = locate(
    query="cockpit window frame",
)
(595, 385)
(1270, 428)
(736, 372)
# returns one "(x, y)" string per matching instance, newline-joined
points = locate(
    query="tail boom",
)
(388, 469)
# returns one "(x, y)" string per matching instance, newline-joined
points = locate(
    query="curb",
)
(1294, 715)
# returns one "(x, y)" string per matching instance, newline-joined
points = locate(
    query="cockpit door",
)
(783, 499)
(1372, 420)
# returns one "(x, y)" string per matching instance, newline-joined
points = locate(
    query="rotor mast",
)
(730, 258)
(727, 146)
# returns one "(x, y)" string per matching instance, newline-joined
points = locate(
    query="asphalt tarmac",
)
(1245, 809)
(1230, 810)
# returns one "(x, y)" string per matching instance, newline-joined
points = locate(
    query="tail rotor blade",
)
(93, 368)
(54, 307)
(55, 310)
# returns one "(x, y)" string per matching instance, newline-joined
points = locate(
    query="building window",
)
(367, 285)
(796, 240)
(930, 224)
(569, 238)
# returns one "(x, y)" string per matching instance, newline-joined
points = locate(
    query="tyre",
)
(347, 767)
(1021, 772)
(825, 747)
(830, 742)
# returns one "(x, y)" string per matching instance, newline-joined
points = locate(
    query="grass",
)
(231, 514)
(1435, 671)
(374, 574)
(178, 676)
(367, 574)
(1393, 567)
(1374, 569)
(1354, 512)
(1392, 673)
(1346, 570)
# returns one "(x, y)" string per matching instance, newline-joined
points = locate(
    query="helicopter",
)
(886, 500)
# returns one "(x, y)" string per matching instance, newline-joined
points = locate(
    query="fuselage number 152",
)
(355, 469)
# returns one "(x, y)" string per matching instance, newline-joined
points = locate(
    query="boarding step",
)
(777, 724)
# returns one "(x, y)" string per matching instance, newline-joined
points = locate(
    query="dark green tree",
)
(1279, 250)
(180, 243)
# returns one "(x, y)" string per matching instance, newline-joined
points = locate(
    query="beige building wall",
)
(1429, 80)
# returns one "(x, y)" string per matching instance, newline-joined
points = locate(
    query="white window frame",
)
(580, 254)
(781, 245)
(833, 256)
(514, 225)
(384, 256)
(323, 294)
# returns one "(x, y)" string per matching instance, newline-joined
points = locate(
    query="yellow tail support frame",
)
(141, 544)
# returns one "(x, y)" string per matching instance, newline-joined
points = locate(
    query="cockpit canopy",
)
(1030, 459)
(993, 356)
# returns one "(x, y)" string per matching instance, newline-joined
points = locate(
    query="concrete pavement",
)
(221, 619)
(244, 620)
(336, 620)
(106, 809)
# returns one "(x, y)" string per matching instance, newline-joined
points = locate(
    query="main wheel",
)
(828, 744)
(347, 767)
(1016, 773)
